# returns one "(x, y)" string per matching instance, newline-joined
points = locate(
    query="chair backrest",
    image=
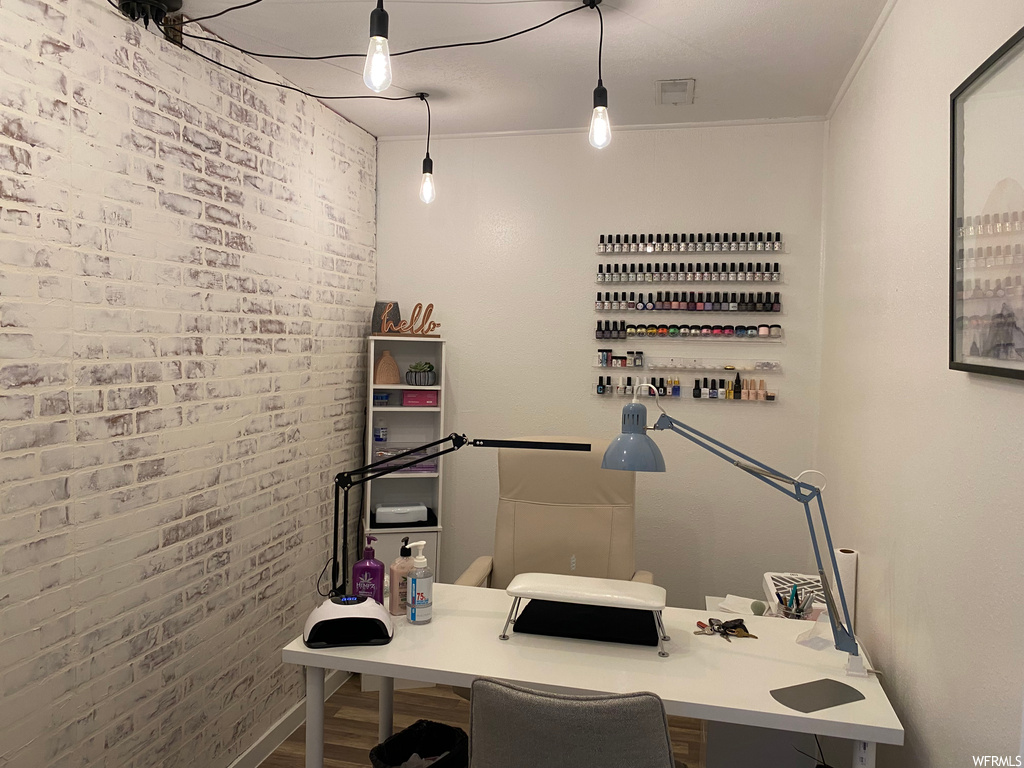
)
(559, 512)
(513, 727)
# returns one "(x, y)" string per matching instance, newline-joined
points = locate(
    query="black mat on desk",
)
(815, 696)
(588, 622)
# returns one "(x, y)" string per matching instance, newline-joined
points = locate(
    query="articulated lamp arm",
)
(634, 432)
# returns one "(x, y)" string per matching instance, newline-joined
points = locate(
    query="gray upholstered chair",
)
(513, 727)
(559, 512)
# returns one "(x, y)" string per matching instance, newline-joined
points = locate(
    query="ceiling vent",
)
(674, 93)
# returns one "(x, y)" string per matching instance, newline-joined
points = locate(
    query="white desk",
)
(703, 677)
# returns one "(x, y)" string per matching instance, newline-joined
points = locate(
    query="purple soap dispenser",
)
(368, 574)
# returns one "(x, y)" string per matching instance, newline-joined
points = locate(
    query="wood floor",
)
(350, 727)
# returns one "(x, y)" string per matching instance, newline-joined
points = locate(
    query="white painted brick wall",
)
(187, 265)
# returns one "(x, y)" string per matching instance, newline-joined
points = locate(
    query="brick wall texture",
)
(187, 267)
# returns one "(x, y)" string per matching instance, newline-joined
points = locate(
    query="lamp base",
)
(855, 666)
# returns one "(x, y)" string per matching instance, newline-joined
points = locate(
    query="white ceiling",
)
(752, 59)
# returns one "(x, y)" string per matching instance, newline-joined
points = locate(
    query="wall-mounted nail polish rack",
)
(705, 364)
(690, 272)
(1005, 223)
(699, 242)
(606, 358)
(615, 329)
(708, 389)
(683, 301)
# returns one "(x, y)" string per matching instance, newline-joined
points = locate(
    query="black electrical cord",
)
(424, 97)
(327, 57)
(290, 87)
(600, 42)
(221, 13)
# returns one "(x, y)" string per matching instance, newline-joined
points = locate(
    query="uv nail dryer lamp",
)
(348, 620)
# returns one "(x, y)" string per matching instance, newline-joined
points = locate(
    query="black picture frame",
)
(986, 221)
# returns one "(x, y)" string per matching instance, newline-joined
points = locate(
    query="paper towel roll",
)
(846, 559)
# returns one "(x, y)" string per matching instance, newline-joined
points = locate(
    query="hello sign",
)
(414, 326)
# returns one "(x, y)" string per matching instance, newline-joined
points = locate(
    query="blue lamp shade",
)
(633, 450)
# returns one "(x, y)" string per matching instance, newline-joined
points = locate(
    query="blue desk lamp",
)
(634, 450)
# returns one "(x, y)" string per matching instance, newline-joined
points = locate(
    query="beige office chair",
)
(513, 727)
(559, 512)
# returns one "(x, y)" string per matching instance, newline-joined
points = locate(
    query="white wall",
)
(186, 279)
(506, 254)
(923, 461)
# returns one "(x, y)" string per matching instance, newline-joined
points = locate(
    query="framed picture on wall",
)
(986, 317)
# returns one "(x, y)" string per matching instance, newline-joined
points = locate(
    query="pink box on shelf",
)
(419, 399)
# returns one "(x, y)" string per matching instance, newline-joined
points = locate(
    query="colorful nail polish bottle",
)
(673, 331)
(759, 304)
(776, 305)
(659, 304)
(675, 301)
(652, 331)
(733, 304)
(728, 331)
(631, 302)
(691, 305)
(705, 391)
(716, 330)
(675, 387)
(643, 245)
(705, 331)
(630, 331)
(696, 389)
(598, 335)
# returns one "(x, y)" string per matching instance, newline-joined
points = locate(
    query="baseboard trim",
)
(265, 745)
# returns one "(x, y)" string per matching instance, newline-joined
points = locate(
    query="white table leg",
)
(385, 708)
(314, 717)
(864, 754)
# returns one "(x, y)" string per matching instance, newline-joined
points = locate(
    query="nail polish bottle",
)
(734, 244)
(689, 273)
(716, 305)
(714, 273)
(700, 243)
(707, 273)
(619, 303)
(608, 330)
(743, 242)
(666, 273)
(600, 273)
(650, 243)
(643, 245)
(652, 330)
(776, 274)
(675, 242)
(696, 389)
(684, 331)
(675, 387)
(987, 221)
(661, 387)
(745, 390)
(718, 242)
(630, 331)
(1015, 221)
(629, 386)
(691, 305)
(762, 392)
(673, 331)
(759, 304)
(721, 389)
(705, 331)
(728, 390)
(631, 303)
(615, 276)
(750, 272)
(658, 303)
(733, 304)
(713, 390)
(705, 391)
(675, 301)
(691, 245)
(607, 305)
(598, 335)
(634, 247)
(732, 273)
(768, 241)
(700, 302)
(758, 274)
(620, 388)
(622, 329)
(632, 273)
(777, 245)
(760, 241)
(728, 331)
(708, 243)
(658, 245)
(673, 274)
(694, 331)
(649, 275)
(618, 244)
(638, 359)
(717, 330)
(599, 388)
(598, 305)
(649, 306)
(776, 305)
(742, 306)
(657, 273)
(600, 245)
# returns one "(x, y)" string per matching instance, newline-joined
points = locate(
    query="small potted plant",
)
(421, 375)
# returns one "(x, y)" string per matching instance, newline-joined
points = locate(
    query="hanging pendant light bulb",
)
(600, 126)
(427, 190)
(377, 72)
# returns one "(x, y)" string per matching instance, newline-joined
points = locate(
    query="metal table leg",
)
(314, 717)
(385, 708)
(864, 754)
(662, 637)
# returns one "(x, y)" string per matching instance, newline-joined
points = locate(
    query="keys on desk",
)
(727, 629)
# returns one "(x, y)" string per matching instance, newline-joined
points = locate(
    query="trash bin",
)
(426, 739)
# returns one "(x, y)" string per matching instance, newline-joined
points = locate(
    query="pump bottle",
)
(399, 575)
(368, 574)
(421, 587)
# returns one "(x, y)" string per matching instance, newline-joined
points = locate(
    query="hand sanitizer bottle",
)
(421, 587)
(368, 574)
